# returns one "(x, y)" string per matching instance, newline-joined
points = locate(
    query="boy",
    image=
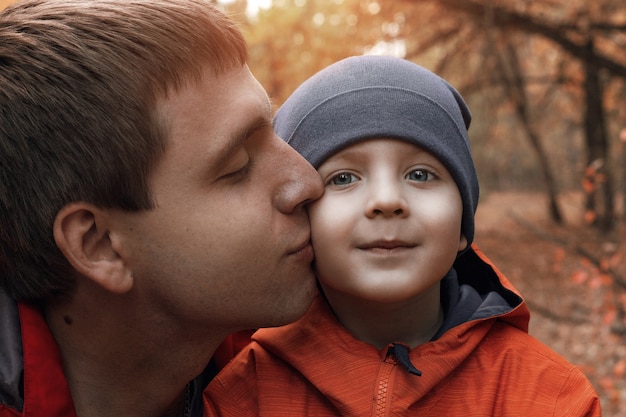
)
(411, 318)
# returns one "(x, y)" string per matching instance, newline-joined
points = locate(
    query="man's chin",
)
(296, 307)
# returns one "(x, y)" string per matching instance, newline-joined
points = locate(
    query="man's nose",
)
(302, 183)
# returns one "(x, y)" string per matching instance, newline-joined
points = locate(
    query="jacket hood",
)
(472, 306)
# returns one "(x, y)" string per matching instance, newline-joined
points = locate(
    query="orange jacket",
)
(482, 367)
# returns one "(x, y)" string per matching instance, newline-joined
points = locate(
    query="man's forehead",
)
(214, 116)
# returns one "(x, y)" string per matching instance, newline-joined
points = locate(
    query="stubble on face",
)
(228, 241)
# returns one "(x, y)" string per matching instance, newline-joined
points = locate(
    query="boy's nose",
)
(387, 200)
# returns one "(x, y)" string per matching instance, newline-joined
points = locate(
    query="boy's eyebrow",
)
(348, 154)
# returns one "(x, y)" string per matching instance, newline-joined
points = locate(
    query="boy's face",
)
(388, 226)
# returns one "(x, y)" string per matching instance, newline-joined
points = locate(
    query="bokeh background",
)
(545, 80)
(546, 83)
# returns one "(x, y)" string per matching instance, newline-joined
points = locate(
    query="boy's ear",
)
(81, 233)
(462, 242)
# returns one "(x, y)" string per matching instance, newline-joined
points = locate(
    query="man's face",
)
(228, 242)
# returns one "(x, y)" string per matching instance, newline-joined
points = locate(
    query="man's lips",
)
(304, 250)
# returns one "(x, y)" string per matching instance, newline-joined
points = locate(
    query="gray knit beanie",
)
(366, 97)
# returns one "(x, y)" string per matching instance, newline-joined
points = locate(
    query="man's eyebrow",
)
(238, 137)
(260, 122)
(263, 120)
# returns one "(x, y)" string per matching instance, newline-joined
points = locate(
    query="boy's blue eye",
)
(343, 178)
(419, 175)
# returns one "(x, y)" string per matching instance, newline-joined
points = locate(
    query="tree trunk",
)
(600, 199)
(514, 81)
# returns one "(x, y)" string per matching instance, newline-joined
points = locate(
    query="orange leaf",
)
(606, 279)
(579, 277)
(607, 383)
(620, 368)
(609, 316)
(590, 171)
(604, 264)
(595, 282)
(615, 259)
(590, 216)
(588, 185)
(559, 254)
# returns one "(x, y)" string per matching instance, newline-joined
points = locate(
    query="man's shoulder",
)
(33, 374)
(11, 360)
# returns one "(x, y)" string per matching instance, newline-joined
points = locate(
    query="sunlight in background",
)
(253, 5)
(395, 48)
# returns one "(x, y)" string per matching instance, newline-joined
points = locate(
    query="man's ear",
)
(462, 243)
(81, 233)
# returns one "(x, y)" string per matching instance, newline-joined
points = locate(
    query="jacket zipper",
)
(383, 386)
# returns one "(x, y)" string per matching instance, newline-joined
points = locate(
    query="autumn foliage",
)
(546, 82)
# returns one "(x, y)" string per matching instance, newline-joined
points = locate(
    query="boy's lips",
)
(387, 244)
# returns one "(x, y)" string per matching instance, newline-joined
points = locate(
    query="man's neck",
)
(125, 367)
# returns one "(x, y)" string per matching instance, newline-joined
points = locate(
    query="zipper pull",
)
(402, 354)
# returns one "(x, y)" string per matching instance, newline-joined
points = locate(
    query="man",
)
(148, 209)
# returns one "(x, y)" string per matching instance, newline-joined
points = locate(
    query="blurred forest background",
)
(546, 82)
